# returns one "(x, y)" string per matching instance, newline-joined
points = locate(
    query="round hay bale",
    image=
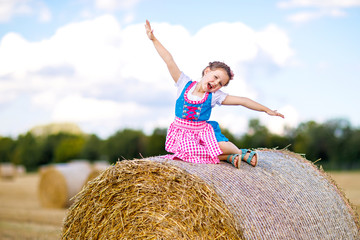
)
(7, 170)
(101, 165)
(20, 170)
(143, 199)
(97, 168)
(60, 183)
(284, 197)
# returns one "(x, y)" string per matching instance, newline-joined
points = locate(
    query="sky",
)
(90, 62)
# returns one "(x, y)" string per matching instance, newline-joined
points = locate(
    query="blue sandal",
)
(231, 159)
(251, 155)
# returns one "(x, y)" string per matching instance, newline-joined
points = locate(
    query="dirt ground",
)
(22, 217)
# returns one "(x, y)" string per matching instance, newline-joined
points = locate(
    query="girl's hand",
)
(274, 113)
(149, 31)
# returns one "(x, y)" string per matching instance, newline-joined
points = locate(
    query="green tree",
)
(320, 141)
(348, 151)
(125, 144)
(69, 148)
(278, 141)
(257, 136)
(156, 143)
(229, 135)
(7, 147)
(93, 148)
(351, 151)
(48, 147)
(27, 152)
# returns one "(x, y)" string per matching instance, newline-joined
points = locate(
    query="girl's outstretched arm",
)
(248, 103)
(164, 54)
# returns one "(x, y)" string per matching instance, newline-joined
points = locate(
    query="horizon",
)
(54, 128)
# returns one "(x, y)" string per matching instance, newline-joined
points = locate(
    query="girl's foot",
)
(235, 159)
(246, 154)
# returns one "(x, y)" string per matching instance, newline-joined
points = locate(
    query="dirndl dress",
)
(191, 137)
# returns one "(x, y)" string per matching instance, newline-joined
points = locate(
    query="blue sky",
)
(90, 62)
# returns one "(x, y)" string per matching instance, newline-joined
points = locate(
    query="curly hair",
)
(216, 65)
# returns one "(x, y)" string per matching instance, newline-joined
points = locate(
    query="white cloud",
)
(307, 16)
(80, 109)
(231, 118)
(277, 125)
(99, 116)
(275, 43)
(322, 8)
(7, 96)
(44, 14)
(95, 72)
(319, 3)
(112, 5)
(129, 17)
(45, 99)
(11, 8)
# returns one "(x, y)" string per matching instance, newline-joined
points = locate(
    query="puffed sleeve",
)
(181, 83)
(218, 97)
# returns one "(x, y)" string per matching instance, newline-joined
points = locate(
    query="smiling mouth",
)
(209, 86)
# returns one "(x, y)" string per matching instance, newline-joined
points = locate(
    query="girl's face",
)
(213, 80)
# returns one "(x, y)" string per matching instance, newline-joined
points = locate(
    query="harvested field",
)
(22, 217)
(349, 183)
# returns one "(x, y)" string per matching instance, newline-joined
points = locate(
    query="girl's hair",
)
(216, 64)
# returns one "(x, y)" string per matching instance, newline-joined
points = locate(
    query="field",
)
(22, 217)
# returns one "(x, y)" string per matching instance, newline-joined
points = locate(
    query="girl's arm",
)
(248, 103)
(164, 54)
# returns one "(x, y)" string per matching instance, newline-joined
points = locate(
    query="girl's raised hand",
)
(149, 31)
(275, 113)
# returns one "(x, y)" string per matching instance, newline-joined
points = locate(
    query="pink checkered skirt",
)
(192, 142)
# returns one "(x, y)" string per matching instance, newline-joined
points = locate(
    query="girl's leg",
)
(229, 148)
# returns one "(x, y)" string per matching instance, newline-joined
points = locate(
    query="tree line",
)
(334, 145)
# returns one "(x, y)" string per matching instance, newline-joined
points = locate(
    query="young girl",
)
(191, 137)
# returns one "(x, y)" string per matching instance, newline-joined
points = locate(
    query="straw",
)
(284, 197)
(143, 199)
(60, 182)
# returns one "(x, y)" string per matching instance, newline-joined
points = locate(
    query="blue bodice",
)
(193, 110)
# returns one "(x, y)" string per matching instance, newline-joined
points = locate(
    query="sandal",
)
(231, 159)
(251, 155)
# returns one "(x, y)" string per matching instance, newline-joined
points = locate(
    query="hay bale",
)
(101, 165)
(61, 182)
(97, 168)
(284, 197)
(143, 199)
(20, 170)
(7, 170)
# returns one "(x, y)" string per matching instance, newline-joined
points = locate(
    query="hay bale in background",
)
(7, 170)
(284, 197)
(101, 165)
(20, 170)
(97, 168)
(59, 183)
(142, 199)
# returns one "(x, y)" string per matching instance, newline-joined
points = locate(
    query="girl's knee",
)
(228, 148)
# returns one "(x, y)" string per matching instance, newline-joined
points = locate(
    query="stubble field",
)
(22, 217)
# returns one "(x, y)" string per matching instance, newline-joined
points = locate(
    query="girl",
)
(191, 137)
